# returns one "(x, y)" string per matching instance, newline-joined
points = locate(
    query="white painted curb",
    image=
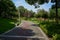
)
(46, 38)
(21, 36)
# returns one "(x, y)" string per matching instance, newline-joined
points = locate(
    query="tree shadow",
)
(35, 25)
(26, 32)
(19, 31)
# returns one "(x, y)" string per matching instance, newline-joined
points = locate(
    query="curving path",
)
(25, 31)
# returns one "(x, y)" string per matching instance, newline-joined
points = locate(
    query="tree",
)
(31, 13)
(36, 1)
(45, 15)
(59, 13)
(24, 12)
(57, 3)
(7, 8)
(42, 13)
(52, 13)
(56, 6)
(21, 10)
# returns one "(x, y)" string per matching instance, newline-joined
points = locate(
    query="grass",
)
(6, 24)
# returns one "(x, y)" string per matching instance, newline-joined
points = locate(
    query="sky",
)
(45, 6)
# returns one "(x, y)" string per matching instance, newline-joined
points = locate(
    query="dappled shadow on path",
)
(34, 24)
(26, 32)
(21, 32)
(18, 31)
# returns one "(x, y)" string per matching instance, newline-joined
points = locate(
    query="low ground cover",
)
(6, 24)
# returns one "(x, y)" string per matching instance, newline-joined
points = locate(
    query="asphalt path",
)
(25, 31)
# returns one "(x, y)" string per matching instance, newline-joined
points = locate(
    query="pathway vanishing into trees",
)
(25, 31)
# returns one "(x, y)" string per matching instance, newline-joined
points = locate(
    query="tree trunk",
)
(56, 12)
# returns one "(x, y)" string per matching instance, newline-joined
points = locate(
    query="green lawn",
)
(6, 24)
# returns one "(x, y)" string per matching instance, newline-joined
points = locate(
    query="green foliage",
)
(42, 2)
(51, 27)
(57, 3)
(45, 15)
(21, 10)
(58, 37)
(42, 13)
(59, 13)
(37, 15)
(6, 24)
(52, 13)
(32, 13)
(31, 2)
(36, 1)
(25, 13)
(7, 8)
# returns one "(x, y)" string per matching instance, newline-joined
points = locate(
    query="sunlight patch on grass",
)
(6, 24)
(12, 22)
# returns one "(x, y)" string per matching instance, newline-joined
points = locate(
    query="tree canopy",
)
(32, 2)
(24, 12)
(41, 13)
(7, 8)
(42, 2)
